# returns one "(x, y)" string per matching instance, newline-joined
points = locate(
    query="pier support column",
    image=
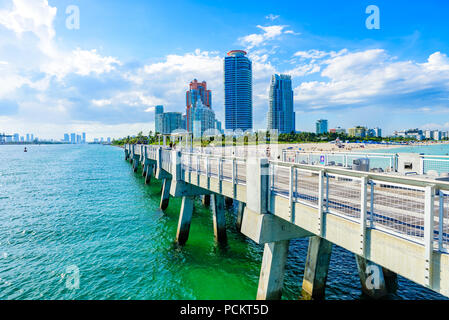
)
(205, 199)
(229, 201)
(240, 210)
(272, 271)
(144, 170)
(135, 163)
(165, 196)
(377, 282)
(185, 218)
(218, 211)
(316, 269)
(148, 174)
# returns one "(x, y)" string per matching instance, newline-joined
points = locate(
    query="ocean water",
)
(66, 208)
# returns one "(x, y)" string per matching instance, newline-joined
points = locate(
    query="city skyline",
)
(85, 80)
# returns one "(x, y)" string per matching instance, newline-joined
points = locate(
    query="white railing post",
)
(422, 165)
(290, 197)
(428, 233)
(363, 210)
(234, 177)
(441, 221)
(320, 202)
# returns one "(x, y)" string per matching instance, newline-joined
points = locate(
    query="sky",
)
(104, 75)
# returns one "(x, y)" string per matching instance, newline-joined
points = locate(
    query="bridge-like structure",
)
(393, 224)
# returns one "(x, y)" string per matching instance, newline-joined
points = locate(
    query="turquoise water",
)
(82, 206)
(432, 149)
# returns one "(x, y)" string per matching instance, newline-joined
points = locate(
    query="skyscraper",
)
(281, 115)
(238, 91)
(203, 118)
(158, 111)
(321, 126)
(197, 92)
(73, 138)
(84, 138)
(66, 137)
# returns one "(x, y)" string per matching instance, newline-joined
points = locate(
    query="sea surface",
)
(71, 213)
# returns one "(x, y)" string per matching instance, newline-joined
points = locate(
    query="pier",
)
(394, 224)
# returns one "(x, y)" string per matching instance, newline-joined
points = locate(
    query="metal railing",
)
(383, 161)
(230, 169)
(411, 208)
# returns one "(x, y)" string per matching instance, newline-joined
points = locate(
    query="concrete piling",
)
(316, 269)
(185, 218)
(165, 196)
(148, 174)
(229, 201)
(219, 219)
(240, 210)
(377, 282)
(205, 199)
(271, 279)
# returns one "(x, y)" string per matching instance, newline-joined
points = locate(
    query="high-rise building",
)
(203, 118)
(171, 122)
(73, 138)
(238, 91)
(281, 114)
(197, 92)
(66, 137)
(158, 111)
(84, 137)
(321, 126)
(16, 137)
(28, 137)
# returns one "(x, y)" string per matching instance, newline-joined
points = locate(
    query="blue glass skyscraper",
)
(238, 91)
(281, 114)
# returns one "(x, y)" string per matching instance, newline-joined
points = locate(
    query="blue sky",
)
(128, 56)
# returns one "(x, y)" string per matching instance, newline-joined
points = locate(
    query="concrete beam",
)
(219, 218)
(185, 218)
(271, 279)
(377, 282)
(182, 189)
(316, 269)
(165, 196)
(267, 228)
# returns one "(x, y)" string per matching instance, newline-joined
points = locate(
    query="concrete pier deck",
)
(394, 225)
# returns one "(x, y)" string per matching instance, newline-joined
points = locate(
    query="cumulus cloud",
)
(373, 77)
(258, 39)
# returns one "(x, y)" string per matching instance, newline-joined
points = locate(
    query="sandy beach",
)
(351, 147)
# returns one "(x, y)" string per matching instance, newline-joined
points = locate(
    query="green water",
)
(83, 206)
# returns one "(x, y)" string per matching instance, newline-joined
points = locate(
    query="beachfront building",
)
(281, 115)
(338, 130)
(411, 133)
(358, 131)
(167, 122)
(238, 91)
(321, 126)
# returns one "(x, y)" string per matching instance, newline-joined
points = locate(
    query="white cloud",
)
(365, 77)
(80, 62)
(272, 17)
(258, 39)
